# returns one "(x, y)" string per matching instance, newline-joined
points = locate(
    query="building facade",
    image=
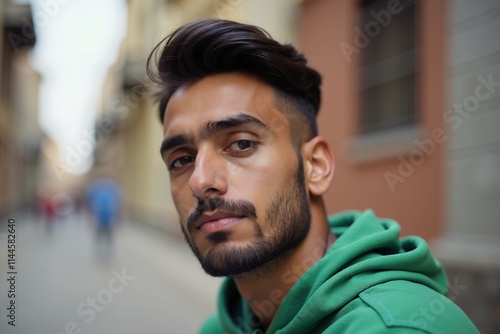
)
(411, 109)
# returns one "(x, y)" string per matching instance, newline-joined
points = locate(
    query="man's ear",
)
(318, 165)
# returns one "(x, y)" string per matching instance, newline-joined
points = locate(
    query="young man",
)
(248, 171)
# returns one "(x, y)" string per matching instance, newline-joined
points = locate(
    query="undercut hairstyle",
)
(212, 46)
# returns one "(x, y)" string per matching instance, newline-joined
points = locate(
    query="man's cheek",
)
(181, 207)
(183, 210)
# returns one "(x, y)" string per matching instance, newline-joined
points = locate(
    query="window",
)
(389, 64)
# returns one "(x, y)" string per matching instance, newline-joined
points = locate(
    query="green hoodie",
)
(369, 281)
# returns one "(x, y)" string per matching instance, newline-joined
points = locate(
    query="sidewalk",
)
(151, 283)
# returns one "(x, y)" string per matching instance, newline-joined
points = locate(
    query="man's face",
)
(236, 180)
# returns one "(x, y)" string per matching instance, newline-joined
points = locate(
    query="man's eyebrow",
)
(170, 143)
(213, 127)
(210, 128)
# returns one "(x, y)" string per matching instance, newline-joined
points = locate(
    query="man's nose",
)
(209, 177)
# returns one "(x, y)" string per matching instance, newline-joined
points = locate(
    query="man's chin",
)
(233, 259)
(226, 259)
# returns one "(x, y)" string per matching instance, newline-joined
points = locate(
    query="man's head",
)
(208, 47)
(240, 142)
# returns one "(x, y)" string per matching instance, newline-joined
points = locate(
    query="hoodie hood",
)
(367, 252)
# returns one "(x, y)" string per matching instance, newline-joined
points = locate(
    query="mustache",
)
(237, 207)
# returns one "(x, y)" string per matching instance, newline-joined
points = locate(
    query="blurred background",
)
(411, 108)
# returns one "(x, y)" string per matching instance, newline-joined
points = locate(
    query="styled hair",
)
(213, 46)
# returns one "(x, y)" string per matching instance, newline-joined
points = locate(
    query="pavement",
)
(66, 281)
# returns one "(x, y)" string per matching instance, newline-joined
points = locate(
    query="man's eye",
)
(180, 162)
(242, 145)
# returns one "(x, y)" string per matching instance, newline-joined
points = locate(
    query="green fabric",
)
(369, 281)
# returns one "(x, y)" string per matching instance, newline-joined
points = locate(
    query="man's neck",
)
(265, 289)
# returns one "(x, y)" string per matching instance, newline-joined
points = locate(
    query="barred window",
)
(389, 65)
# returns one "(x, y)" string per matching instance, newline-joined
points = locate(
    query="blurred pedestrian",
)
(46, 207)
(104, 200)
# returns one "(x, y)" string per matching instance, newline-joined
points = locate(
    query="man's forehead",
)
(218, 97)
(234, 88)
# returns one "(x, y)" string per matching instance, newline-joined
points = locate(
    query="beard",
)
(288, 216)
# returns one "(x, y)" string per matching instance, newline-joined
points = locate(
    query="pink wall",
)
(418, 202)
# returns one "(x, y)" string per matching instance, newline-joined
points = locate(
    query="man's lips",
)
(218, 221)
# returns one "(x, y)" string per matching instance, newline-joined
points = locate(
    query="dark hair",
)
(213, 46)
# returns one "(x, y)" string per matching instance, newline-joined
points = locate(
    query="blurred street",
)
(143, 281)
